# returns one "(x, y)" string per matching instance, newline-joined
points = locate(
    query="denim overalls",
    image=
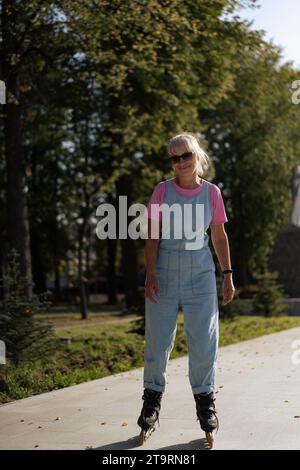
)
(187, 280)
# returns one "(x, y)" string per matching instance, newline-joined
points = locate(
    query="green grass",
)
(65, 311)
(105, 349)
(74, 316)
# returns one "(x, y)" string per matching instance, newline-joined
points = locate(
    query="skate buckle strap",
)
(153, 410)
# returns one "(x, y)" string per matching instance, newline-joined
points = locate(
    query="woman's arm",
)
(221, 246)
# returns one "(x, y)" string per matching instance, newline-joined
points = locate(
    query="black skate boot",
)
(149, 414)
(207, 415)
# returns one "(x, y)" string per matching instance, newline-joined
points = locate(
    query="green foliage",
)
(254, 137)
(26, 339)
(269, 297)
(92, 97)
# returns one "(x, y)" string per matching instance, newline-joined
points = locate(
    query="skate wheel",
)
(210, 439)
(144, 435)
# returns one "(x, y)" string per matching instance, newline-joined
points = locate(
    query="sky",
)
(281, 21)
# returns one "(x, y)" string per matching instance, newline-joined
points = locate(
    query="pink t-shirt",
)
(216, 201)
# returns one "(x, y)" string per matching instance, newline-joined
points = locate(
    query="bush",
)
(248, 291)
(26, 339)
(269, 297)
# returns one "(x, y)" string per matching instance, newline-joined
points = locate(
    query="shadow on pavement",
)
(133, 444)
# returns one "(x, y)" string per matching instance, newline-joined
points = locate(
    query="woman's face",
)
(184, 167)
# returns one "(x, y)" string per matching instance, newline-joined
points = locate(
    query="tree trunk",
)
(241, 274)
(111, 257)
(81, 281)
(38, 269)
(130, 272)
(129, 253)
(18, 226)
(111, 271)
(57, 278)
(88, 263)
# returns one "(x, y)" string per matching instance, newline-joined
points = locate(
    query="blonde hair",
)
(190, 143)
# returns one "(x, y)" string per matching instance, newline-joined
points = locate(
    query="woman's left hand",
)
(228, 289)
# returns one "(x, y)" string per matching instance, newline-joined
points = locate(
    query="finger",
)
(229, 292)
(152, 300)
(149, 295)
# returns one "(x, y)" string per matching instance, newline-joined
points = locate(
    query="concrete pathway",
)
(258, 403)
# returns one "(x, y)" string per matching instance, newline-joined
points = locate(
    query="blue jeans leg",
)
(160, 333)
(201, 321)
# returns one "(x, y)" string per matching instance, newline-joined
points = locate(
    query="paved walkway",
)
(258, 391)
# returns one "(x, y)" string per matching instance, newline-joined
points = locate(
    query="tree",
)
(26, 29)
(155, 65)
(26, 338)
(253, 136)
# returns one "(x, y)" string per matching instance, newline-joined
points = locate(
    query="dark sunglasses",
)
(185, 157)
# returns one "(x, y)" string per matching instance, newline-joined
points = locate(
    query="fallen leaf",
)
(124, 424)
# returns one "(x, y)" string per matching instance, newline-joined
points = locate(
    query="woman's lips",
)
(184, 168)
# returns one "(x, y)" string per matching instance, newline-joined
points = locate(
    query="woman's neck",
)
(189, 183)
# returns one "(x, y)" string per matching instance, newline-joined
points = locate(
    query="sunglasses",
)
(184, 157)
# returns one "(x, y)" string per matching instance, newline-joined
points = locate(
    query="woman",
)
(180, 273)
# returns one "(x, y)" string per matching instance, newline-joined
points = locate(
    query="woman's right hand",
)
(151, 285)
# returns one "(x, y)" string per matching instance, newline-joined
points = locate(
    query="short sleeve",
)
(156, 199)
(217, 205)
